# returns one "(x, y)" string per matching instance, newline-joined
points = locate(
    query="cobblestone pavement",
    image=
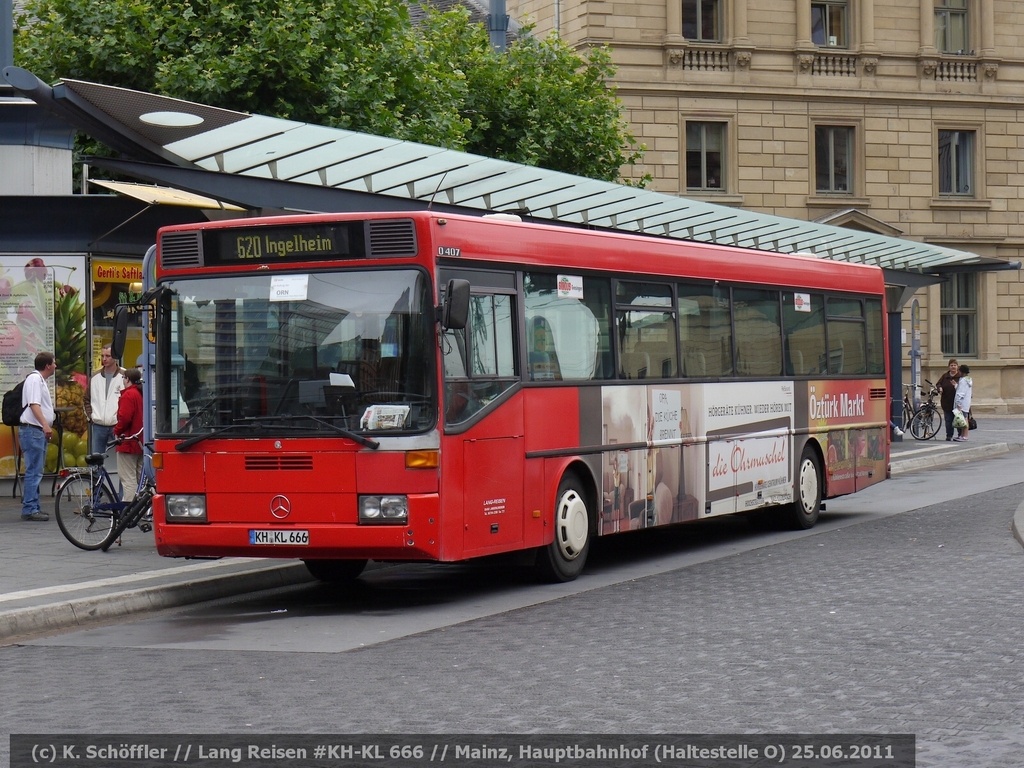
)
(904, 624)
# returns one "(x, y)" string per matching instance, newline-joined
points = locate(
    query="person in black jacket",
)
(947, 392)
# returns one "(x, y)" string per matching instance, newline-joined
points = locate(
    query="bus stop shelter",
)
(267, 165)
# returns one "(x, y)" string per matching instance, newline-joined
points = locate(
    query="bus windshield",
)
(316, 353)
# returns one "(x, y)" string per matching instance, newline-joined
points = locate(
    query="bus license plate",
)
(278, 538)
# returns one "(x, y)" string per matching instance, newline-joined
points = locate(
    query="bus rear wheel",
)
(335, 571)
(563, 559)
(806, 507)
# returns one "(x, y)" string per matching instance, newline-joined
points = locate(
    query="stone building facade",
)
(904, 117)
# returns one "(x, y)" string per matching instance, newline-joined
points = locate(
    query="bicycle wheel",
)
(84, 513)
(130, 517)
(926, 423)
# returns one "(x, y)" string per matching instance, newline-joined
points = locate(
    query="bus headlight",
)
(185, 509)
(383, 510)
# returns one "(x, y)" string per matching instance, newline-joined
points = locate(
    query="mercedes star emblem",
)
(280, 507)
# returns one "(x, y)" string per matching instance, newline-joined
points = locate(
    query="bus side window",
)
(803, 325)
(457, 388)
(479, 361)
(705, 329)
(758, 332)
(846, 331)
(567, 335)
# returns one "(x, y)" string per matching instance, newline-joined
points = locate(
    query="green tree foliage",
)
(356, 64)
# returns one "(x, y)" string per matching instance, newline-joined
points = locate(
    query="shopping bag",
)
(959, 420)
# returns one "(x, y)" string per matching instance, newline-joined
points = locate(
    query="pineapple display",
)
(71, 348)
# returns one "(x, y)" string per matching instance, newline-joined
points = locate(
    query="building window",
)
(702, 20)
(951, 31)
(959, 319)
(833, 158)
(956, 162)
(705, 143)
(829, 24)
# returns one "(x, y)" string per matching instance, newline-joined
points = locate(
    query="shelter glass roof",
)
(198, 136)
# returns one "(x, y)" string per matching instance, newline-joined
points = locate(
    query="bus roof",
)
(506, 240)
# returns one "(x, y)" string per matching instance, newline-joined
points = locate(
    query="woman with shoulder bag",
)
(962, 400)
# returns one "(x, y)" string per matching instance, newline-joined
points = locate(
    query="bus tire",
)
(806, 506)
(335, 571)
(563, 559)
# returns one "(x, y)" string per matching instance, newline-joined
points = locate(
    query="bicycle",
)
(927, 419)
(89, 510)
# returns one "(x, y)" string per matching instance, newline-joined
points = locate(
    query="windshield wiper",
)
(264, 422)
(189, 442)
(364, 441)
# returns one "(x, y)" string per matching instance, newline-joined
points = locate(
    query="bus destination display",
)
(290, 243)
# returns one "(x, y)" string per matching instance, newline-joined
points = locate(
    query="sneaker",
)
(39, 517)
(959, 439)
(897, 431)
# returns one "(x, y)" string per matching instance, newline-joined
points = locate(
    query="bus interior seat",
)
(758, 359)
(796, 362)
(695, 363)
(742, 367)
(311, 393)
(635, 365)
(857, 361)
(388, 374)
(661, 360)
(834, 363)
(543, 358)
(366, 366)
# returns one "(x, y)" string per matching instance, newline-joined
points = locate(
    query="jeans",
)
(33, 451)
(100, 436)
(949, 424)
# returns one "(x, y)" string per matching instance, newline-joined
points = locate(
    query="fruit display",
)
(26, 308)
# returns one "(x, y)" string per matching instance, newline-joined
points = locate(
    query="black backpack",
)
(11, 409)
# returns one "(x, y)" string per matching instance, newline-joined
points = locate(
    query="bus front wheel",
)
(807, 505)
(335, 571)
(563, 559)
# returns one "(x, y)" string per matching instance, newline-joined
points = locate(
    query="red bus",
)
(432, 387)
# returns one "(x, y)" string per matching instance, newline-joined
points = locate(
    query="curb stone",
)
(80, 612)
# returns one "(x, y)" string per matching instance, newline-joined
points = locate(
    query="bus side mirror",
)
(455, 310)
(120, 331)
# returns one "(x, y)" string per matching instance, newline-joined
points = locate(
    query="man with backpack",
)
(35, 433)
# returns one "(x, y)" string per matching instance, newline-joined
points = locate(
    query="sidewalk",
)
(47, 584)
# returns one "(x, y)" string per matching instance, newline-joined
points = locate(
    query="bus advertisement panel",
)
(417, 386)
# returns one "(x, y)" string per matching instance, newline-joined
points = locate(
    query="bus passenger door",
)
(489, 456)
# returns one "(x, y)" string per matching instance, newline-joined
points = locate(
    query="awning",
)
(152, 195)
